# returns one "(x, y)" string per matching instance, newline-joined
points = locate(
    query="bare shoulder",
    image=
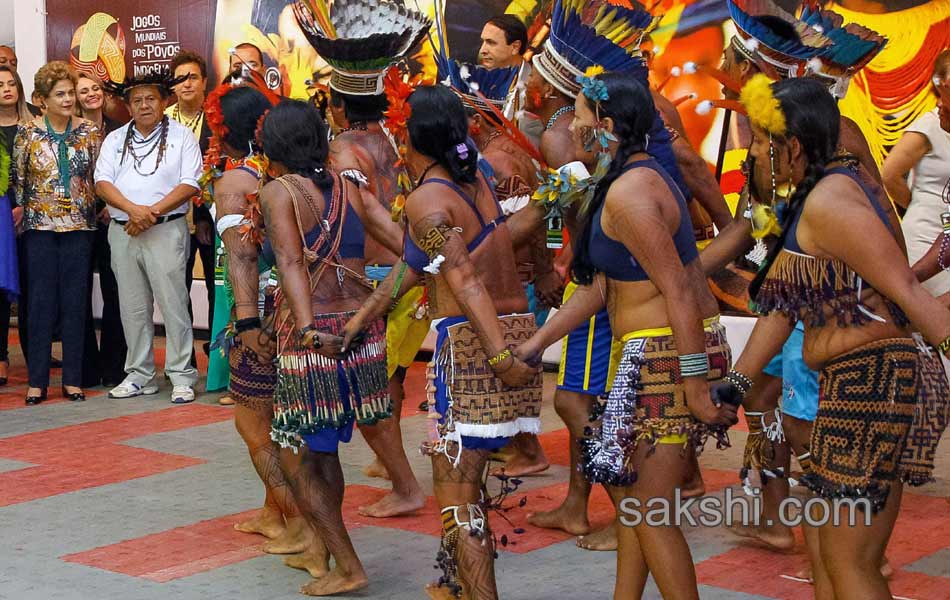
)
(274, 191)
(831, 195)
(236, 181)
(557, 147)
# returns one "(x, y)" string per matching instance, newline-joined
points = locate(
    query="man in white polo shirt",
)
(146, 172)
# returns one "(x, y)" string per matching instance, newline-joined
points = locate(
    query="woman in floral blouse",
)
(54, 159)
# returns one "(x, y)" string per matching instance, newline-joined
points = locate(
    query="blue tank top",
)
(352, 241)
(417, 259)
(791, 240)
(614, 260)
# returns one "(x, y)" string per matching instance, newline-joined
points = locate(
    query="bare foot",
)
(887, 571)
(776, 541)
(602, 540)
(694, 488)
(268, 523)
(313, 561)
(335, 582)
(296, 538)
(226, 401)
(393, 505)
(572, 522)
(376, 469)
(442, 592)
(805, 574)
(519, 466)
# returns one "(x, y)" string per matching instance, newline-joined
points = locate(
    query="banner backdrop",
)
(113, 39)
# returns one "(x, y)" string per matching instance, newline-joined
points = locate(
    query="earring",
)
(785, 190)
(772, 167)
(475, 129)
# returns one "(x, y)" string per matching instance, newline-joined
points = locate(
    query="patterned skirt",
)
(647, 403)
(930, 419)
(252, 384)
(315, 393)
(866, 407)
(470, 405)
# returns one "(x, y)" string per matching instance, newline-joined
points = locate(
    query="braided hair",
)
(438, 128)
(631, 107)
(812, 117)
(295, 136)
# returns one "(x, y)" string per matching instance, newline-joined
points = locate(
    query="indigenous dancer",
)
(479, 394)
(319, 243)
(761, 29)
(589, 355)
(365, 154)
(486, 95)
(838, 269)
(232, 114)
(638, 259)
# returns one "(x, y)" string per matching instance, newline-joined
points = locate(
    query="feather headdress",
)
(853, 46)
(160, 78)
(475, 84)
(360, 39)
(587, 33)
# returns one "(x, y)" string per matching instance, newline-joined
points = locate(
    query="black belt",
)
(158, 221)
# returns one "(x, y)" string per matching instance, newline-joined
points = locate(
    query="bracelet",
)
(694, 365)
(496, 360)
(739, 380)
(309, 337)
(944, 346)
(242, 325)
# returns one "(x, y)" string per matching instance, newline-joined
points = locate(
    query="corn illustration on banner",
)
(112, 39)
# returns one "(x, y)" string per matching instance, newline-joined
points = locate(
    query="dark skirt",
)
(252, 384)
(866, 404)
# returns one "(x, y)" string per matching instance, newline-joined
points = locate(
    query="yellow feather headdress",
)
(763, 108)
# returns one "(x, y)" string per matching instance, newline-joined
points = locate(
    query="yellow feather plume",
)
(763, 107)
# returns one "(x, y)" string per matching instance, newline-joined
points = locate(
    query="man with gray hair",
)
(147, 171)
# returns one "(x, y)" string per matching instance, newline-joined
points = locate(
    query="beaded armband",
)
(694, 365)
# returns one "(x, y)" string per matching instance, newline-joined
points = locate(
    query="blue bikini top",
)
(614, 260)
(352, 240)
(417, 259)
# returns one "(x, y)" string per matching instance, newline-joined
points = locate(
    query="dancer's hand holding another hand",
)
(702, 406)
(265, 348)
(529, 352)
(514, 372)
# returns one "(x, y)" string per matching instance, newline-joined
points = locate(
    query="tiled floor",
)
(136, 499)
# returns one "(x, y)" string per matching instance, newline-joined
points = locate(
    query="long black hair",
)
(438, 128)
(811, 116)
(295, 136)
(632, 110)
(242, 108)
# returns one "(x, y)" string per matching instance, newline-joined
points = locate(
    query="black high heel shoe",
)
(34, 400)
(74, 397)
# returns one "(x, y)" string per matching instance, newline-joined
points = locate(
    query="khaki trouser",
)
(150, 267)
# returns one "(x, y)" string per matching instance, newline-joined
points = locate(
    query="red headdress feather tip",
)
(213, 113)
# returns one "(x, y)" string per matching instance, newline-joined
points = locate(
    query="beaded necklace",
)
(157, 139)
(193, 123)
(557, 115)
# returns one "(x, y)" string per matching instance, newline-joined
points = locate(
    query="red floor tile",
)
(88, 455)
(920, 531)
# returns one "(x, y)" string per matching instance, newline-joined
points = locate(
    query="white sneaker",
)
(182, 394)
(130, 389)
